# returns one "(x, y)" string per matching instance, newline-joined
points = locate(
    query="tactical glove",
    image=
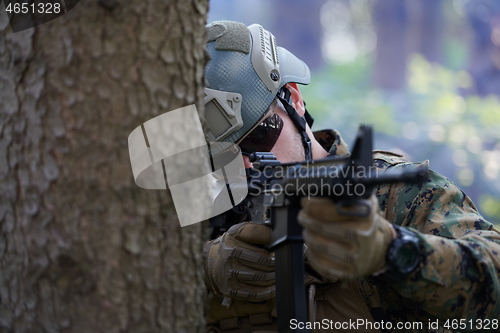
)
(237, 264)
(347, 243)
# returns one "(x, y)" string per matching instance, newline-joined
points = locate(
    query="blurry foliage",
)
(457, 35)
(432, 120)
(341, 97)
(468, 124)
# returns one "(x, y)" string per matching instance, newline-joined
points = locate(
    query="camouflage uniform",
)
(459, 272)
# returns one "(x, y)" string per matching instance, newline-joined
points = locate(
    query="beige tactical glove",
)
(238, 267)
(342, 245)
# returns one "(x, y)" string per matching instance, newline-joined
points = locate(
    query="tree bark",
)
(303, 40)
(390, 21)
(82, 248)
(405, 27)
(484, 63)
(425, 28)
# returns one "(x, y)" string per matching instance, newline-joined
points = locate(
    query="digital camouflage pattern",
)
(460, 264)
(332, 142)
(459, 269)
(459, 273)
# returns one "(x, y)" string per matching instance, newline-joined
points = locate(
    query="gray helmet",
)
(245, 71)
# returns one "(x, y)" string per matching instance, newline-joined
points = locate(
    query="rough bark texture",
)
(82, 248)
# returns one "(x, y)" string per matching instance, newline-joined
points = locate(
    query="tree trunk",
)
(425, 28)
(303, 40)
(404, 27)
(82, 248)
(484, 63)
(390, 20)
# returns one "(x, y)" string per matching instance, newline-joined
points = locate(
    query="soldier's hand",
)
(238, 266)
(350, 243)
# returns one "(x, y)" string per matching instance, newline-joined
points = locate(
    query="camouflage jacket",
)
(456, 287)
(459, 273)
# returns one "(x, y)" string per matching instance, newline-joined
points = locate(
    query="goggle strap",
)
(286, 97)
(298, 121)
(309, 118)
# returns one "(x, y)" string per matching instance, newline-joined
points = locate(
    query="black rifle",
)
(275, 190)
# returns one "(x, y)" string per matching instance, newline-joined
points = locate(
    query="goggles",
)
(263, 137)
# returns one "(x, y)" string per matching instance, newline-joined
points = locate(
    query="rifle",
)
(275, 190)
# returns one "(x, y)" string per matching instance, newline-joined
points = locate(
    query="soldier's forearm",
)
(458, 278)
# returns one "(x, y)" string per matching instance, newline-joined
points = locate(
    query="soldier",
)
(450, 276)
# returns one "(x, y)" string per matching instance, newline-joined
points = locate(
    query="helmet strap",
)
(298, 121)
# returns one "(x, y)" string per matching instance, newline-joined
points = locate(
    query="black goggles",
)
(263, 137)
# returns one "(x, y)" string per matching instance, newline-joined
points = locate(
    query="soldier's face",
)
(288, 147)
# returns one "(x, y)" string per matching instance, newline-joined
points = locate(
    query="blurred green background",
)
(424, 73)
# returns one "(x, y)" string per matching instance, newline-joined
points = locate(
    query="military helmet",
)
(245, 72)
